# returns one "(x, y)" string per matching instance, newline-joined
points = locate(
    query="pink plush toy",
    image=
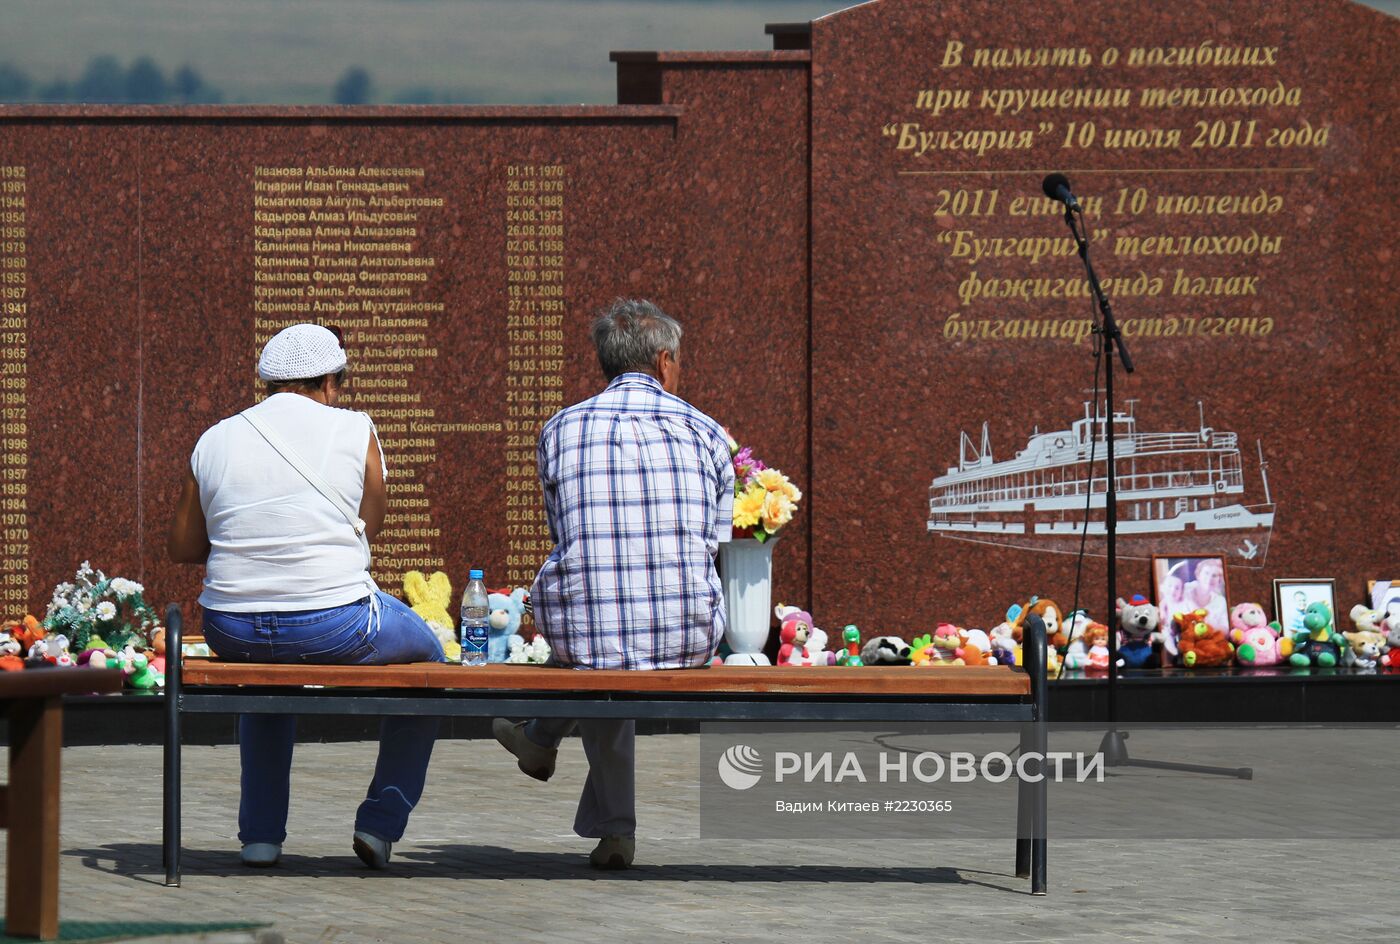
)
(1256, 642)
(793, 636)
(947, 642)
(1390, 653)
(801, 642)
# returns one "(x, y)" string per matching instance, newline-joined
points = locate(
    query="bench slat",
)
(825, 680)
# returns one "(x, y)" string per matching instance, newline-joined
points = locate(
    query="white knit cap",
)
(301, 352)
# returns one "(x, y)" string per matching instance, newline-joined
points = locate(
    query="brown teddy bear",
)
(1200, 643)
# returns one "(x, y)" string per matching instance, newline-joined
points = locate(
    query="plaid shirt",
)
(639, 492)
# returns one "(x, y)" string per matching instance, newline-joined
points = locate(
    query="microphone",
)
(1056, 187)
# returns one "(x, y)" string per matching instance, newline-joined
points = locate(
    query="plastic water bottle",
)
(476, 620)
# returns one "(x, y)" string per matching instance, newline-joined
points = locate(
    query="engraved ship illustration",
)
(1179, 493)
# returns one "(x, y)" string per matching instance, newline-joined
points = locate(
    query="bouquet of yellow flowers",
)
(764, 498)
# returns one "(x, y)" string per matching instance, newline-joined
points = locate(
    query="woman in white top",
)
(267, 507)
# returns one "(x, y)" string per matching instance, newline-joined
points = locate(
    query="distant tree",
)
(14, 84)
(188, 87)
(352, 88)
(55, 91)
(417, 95)
(427, 95)
(104, 80)
(146, 84)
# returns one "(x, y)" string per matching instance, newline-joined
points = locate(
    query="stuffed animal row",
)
(25, 644)
(431, 595)
(1081, 643)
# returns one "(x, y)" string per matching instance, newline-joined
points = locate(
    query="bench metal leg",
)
(1025, 812)
(1037, 793)
(1040, 793)
(170, 835)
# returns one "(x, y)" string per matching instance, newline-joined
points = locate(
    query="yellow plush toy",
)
(430, 597)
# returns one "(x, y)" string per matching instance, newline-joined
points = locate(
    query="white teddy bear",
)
(534, 652)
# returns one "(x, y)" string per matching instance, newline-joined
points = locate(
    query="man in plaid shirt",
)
(639, 491)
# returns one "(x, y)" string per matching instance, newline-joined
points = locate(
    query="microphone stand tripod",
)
(1114, 747)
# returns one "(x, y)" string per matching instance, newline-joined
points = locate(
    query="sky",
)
(498, 51)
(294, 51)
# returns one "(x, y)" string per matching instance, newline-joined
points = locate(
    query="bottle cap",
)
(476, 575)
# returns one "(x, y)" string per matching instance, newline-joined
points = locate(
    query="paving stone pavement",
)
(489, 857)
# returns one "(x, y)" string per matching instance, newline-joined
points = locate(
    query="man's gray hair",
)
(630, 335)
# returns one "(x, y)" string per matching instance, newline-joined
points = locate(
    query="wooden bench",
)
(726, 693)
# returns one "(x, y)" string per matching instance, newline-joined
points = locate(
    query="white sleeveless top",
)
(275, 543)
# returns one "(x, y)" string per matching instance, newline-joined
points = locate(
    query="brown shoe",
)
(613, 853)
(533, 760)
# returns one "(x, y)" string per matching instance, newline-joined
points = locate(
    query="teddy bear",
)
(58, 652)
(1006, 640)
(801, 642)
(946, 642)
(51, 649)
(26, 632)
(534, 652)
(976, 647)
(1076, 654)
(1366, 620)
(1261, 645)
(157, 653)
(1391, 654)
(1317, 643)
(1138, 622)
(792, 640)
(885, 650)
(10, 650)
(98, 658)
(1056, 634)
(430, 598)
(1200, 643)
(1363, 649)
(1018, 617)
(507, 612)
(1256, 641)
(134, 665)
(950, 645)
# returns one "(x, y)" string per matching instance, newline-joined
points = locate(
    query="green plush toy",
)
(1318, 643)
(850, 640)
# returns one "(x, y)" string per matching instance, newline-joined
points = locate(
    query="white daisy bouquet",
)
(97, 611)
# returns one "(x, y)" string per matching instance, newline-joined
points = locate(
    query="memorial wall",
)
(876, 297)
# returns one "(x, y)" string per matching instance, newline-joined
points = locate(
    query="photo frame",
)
(1181, 584)
(1384, 596)
(1292, 595)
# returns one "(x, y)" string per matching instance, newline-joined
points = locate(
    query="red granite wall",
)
(935, 312)
(739, 194)
(72, 340)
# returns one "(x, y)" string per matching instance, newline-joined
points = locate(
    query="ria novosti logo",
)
(740, 767)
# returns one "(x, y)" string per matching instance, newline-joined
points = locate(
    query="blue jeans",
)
(338, 636)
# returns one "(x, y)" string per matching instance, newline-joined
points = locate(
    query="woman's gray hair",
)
(630, 335)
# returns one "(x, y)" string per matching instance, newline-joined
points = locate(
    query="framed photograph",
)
(1385, 596)
(1182, 584)
(1292, 596)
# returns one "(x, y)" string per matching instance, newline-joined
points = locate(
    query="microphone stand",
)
(1114, 747)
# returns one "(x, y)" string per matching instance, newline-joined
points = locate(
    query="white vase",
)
(746, 573)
